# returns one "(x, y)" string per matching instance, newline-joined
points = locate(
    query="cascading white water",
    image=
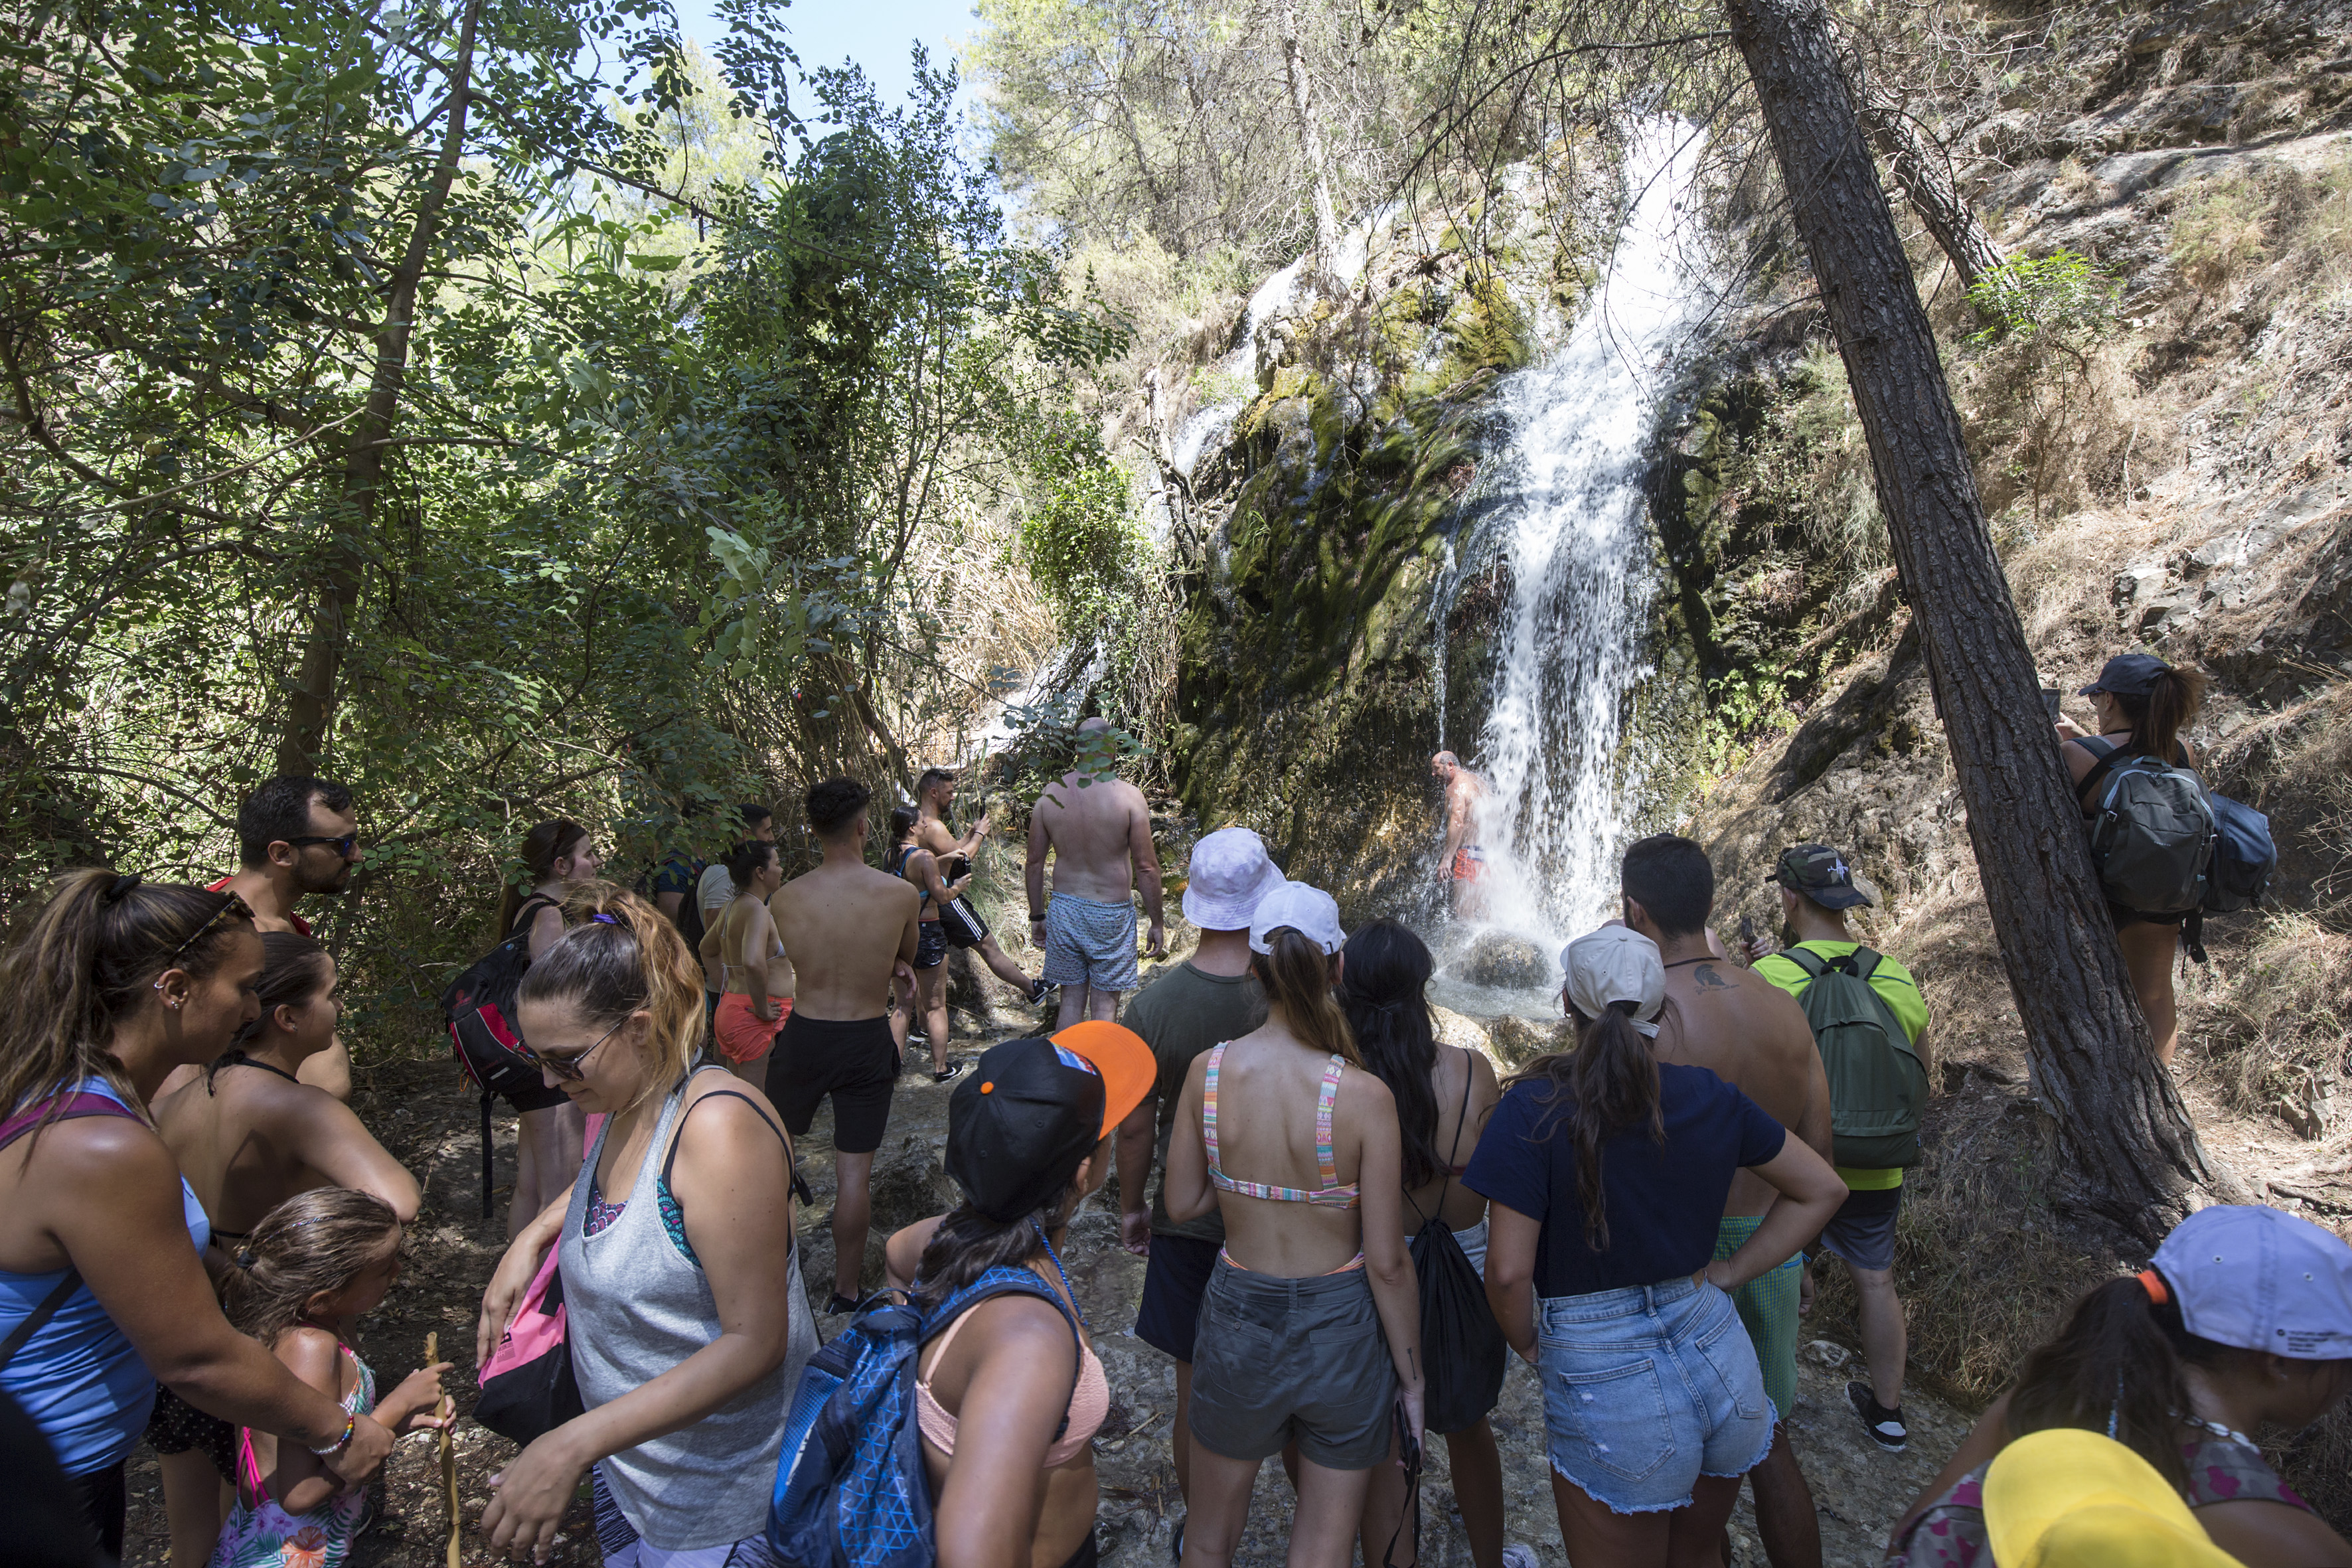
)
(1571, 531)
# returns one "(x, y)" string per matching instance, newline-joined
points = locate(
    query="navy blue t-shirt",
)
(1663, 1199)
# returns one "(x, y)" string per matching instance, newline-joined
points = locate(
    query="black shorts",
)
(1174, 1280)
(855, 1060)
(962, 923)
(177, 1426)
(930, 944)
(2124, 917)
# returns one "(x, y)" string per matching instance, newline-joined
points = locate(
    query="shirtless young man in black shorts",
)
(935, 793)
(849, 928)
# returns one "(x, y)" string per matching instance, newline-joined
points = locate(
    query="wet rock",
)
(1517, 1042)
(1506, 962)
(909, 1184)
(1461, 1029)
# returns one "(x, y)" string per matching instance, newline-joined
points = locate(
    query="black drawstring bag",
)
(1460, 1343)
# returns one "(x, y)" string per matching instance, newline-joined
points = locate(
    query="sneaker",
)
(1038, 991)
(840, 1304)
(952, 1068)
(1885, 1426)
(1517, 1556)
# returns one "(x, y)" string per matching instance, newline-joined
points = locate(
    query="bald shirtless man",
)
(1752, 1035)
(1099, 831)
(850, 930)
(1462, 859)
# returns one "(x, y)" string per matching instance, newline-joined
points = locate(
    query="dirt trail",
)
(430, 1121)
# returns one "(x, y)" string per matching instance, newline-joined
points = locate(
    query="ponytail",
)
(2116, 1368)
(620, 956)
(1296, 975)
(542, 846)
(2169, 707)
(313, 1242)
(85, 962)
(968, 1243)
(1610, 1083)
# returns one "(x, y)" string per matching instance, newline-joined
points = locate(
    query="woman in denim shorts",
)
(1309, 1332)
(1605, 1174)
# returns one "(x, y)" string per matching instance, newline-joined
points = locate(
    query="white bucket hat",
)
(1228, 875)
(1616, 963)
(1310, 912)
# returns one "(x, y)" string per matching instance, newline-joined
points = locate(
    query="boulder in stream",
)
(1507, 961)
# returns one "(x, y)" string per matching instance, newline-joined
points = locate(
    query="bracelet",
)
(351, 1425)
(1036, 915)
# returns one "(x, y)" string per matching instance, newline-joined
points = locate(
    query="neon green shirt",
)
(1895, 987)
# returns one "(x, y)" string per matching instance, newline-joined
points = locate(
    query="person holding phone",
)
(960, 923)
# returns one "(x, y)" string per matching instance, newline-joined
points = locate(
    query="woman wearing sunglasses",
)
(681, 1285)
(112, 986)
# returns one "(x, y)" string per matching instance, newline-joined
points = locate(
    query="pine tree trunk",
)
(2125, 1150)
(1310, 141)
(1924, 174)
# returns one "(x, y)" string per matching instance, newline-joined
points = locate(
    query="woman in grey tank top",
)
(682, 1294)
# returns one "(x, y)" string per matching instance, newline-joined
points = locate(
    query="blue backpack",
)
(851, 1490)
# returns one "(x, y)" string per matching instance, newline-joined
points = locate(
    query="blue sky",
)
(874, 32)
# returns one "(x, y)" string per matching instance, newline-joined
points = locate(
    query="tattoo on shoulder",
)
(1706, 978)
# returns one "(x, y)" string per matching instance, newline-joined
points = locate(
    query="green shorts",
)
(1768, 1310)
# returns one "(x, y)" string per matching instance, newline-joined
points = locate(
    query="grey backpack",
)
(2152, 830)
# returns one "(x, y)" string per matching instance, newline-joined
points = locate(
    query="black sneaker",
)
(952, 1068)
(1885, 1426)
(1038, 992)
(840, 1304)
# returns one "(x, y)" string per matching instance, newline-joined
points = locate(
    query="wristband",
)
(1036, 915)
(351, 1425)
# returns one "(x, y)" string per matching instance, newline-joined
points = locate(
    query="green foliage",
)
(1079, 536)
(2061, 300)
(583, 453)
(1745, 708)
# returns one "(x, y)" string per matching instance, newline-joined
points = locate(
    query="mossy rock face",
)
(1306, 692)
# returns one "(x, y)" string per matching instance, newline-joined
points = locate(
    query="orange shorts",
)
(743, 1035)
(1468, 861)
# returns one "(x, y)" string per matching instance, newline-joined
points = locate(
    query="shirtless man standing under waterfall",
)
(1462, 859)
(1098, 829)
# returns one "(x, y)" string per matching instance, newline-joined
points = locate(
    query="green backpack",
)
(1877, 1085)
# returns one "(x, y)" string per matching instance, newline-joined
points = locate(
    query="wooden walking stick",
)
(448, 1449)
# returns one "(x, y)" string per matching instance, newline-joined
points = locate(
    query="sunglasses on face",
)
(347, 845)
(567, 1069)
(234, 909)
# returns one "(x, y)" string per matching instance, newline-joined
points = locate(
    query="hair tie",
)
(2153, 1283)
(244, 1257)
(1627, 1005)
(120, 888)
(601, 918)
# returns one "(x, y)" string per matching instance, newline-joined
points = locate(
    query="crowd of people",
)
(1347, 1226)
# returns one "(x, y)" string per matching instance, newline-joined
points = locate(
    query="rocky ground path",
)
(430, 1121)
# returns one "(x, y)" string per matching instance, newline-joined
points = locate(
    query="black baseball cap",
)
(1032, 1109)
(2127, 675)
(1820, 873)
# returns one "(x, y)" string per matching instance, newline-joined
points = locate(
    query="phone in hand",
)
(2049, 696)
(1747, 930)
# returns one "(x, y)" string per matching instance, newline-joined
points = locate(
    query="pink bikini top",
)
(1331, 1193)
(1089, 1405)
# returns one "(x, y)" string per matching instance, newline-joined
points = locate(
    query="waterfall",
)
(1565, 516)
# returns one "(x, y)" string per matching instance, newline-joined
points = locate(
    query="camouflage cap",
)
(1820, 873)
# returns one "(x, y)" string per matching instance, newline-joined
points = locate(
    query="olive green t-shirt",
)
(1180, 1015)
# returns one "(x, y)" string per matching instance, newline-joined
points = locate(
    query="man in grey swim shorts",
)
(1097, 829)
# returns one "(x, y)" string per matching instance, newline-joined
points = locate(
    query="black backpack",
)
(690, 908)
(479, 1006)
(1878, 1087)
(1461, 1344)
(2153, 830)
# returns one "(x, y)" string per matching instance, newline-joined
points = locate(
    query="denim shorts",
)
(1648, 1388)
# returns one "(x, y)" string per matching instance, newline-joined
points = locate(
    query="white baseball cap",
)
(1616, 963)
(2261, 1279)
(1228, 875)
(1310, 912)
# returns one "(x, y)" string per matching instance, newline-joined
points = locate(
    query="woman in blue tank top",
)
(102, 1290)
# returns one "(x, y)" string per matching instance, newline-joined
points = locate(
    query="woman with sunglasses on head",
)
(1009, 1393)
(2143, 704)
(1310, 1330)
(2241, 1321)
(249, 1134)
(681, 1280)
(1605, 1171)
(550, 1130)
(103, 992)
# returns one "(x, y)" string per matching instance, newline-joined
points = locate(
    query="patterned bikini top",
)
(1330, 1195)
